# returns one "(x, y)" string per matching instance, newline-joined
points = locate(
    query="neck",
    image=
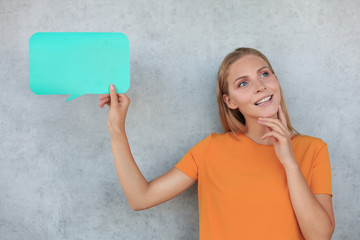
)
(256, 130)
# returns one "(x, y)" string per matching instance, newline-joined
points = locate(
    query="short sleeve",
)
(321, 173)
(191, 161)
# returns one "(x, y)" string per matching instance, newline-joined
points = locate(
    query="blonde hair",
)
(232, 119)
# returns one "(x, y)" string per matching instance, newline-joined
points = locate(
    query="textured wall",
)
(57, 174)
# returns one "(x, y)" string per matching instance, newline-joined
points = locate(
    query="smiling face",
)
(250, 80)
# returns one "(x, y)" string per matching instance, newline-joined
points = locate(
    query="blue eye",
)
(266, 73)
(241, 83)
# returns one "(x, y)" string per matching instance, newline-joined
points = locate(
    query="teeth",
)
(263, 100)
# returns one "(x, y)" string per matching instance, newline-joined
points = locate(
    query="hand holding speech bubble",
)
(78, 63)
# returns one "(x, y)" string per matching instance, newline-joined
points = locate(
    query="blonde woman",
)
(260, 179)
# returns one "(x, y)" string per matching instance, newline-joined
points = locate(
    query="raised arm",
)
(166, 187)
(139, 193)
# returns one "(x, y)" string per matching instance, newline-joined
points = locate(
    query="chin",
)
(270, 113)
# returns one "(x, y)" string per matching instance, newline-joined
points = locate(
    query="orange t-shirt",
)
(242, 186)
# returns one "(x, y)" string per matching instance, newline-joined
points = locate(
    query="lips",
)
(263, 98)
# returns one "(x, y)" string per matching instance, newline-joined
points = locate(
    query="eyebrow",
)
(247, 76)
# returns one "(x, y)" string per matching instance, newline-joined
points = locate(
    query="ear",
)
(228, 102)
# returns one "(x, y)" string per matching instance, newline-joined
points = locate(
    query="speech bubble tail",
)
(73, 96)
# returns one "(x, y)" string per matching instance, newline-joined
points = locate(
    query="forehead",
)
(246, 66)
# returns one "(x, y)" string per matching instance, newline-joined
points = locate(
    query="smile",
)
(263, 101)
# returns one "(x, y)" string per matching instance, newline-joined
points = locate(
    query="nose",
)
(259, 86)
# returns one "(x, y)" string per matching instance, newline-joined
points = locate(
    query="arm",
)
(140, 194)
(131, 179)
(314, 220)
(314, 214)
(166, 187)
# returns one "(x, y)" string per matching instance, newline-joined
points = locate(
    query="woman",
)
(260, 179)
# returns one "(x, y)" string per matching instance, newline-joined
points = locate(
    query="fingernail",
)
(111, 86)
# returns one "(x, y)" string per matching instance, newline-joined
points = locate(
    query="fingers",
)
(272, 125)
(282, 116)
(104, 96)
(106, 101)
(113, 96)
(108, 96)
(102, 103)
(276, 135)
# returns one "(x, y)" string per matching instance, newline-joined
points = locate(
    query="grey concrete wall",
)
(57, 175)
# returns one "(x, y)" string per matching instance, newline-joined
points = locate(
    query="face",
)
(250, 80)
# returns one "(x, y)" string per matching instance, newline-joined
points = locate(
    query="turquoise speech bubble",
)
(78, 63)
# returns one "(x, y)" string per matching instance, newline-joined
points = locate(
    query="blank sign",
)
(78, 63)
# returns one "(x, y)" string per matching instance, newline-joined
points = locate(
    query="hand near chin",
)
(280, 136)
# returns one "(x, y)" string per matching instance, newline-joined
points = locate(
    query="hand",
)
(280, 137)
(118, 105)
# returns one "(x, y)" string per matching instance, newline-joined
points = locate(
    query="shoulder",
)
(309, 141)
(203, 143)
(219, 137)
(213, 138)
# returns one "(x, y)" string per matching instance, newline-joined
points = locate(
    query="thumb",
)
(113, 95)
